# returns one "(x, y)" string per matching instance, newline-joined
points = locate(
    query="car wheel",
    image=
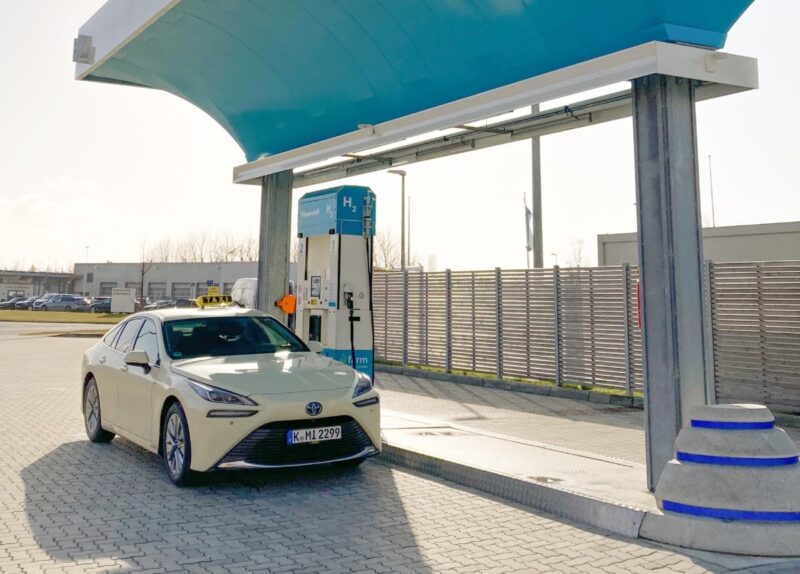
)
(30, 307)
(92, 309)
(67, 309)
(177, 446)
(44, 308)
(91, 414)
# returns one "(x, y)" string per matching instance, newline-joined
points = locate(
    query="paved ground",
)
(67, 505)
(614, 432)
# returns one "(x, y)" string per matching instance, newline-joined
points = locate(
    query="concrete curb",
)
(609, 516)
(533, 389)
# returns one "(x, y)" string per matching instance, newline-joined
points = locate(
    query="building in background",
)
(162, 280)
(764, 242)
(30, 283)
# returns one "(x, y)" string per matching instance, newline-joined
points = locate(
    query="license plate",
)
(313, 435)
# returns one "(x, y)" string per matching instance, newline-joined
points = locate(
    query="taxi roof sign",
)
(214, 300)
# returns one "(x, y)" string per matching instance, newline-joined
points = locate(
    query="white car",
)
(226, 388)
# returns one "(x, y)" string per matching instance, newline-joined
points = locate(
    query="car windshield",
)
(224, 336)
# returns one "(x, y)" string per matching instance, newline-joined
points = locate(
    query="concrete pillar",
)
(536, 201)
(274, 242)
(670, 256)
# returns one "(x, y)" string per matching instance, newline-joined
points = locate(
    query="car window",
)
(148, 341)
(129, 331)
(225, 336)
(111, 335)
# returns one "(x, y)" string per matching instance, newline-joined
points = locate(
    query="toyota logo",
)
(313, 409)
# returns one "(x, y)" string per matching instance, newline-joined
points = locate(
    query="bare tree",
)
(222, 248)
(145, 264)
(163, 251)
(294, 256)
(387, 251)
(577, 258)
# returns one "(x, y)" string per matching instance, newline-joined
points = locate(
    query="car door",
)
(115, 364)
(104, 368)
(136, 384)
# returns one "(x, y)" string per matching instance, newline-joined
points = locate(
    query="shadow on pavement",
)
(114, 503)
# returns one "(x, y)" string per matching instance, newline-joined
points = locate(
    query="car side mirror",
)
(137, 359)
(315, 346)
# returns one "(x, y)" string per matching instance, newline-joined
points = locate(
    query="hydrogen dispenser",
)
(336, 228)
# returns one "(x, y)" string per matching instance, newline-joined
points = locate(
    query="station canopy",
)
(282, 74)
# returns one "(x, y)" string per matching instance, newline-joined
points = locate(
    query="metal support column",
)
(670, 259)
(536, 197)
(274, 241)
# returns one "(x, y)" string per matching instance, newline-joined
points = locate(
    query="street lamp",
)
(556, 258)
(402, 175)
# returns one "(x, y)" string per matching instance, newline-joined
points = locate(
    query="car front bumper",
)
(259, 441)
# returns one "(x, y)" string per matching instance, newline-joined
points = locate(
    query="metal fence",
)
(580, 326)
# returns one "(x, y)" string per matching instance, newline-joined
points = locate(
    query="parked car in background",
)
(42, 301)
(10, 303)
(100, 305)
(67, 303)
(26, 304)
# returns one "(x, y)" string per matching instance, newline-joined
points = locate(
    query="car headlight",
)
(363, 385)
(215, 395)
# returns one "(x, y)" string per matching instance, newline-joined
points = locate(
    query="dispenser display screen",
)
(316, 286)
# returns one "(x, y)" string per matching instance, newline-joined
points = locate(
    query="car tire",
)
(67, 309)
(92, 415)
(30, 307)
(176, 446)
(92, 309)
(43, 308)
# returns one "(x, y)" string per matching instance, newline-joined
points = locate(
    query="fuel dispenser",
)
(334, 288)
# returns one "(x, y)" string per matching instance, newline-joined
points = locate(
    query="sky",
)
(114, 168)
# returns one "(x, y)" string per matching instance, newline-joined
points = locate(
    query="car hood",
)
(283, 372)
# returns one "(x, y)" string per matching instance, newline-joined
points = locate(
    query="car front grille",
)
(267, 444)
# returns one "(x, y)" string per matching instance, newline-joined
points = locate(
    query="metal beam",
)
(670, 260)
(274, 242)
(727, 73)
(536, 197)
(576, 115)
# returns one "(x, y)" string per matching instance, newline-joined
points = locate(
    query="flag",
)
(528, 226)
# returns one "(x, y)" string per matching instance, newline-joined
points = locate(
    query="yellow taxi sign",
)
(214, 300)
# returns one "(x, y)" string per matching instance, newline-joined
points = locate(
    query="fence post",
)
(405, 318)
(472, 299)
(708, 335)
(498, 302)
(557, 323)
(423, 317)
(448, 316)
(626, 299)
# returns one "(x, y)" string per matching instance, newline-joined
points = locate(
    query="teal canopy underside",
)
(280, 74)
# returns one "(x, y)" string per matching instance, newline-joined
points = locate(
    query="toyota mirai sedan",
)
(226, 388)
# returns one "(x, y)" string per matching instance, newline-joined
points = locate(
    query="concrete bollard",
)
(733, 486)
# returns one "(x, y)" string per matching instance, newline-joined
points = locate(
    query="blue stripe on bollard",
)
(736, 460)
(730, 513)
(731, 425)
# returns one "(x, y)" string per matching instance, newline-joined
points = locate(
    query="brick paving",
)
(70, 506)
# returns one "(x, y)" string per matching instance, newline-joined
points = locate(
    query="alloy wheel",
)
(175, 445)
(91, 409)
